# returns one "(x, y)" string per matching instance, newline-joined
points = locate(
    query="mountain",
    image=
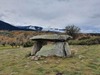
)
(7, 26)
(38, 28)
(53, 30)
(34, 28)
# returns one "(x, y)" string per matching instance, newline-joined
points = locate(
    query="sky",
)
(52, 13)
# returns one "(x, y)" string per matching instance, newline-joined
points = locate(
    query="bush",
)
(28, 44)
(72, 30)
(91, 41)
(84, 37)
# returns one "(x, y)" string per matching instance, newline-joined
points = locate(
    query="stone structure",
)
(51, 45)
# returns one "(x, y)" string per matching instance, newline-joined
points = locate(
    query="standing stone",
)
(36, 47)
(59, 49)
(67, 49)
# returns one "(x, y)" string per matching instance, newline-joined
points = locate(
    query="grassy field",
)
(86, 61)
(6, 47)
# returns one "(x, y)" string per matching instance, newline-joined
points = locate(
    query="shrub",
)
(28, 44)
(72, 30)
(90, 41)
(84, 37)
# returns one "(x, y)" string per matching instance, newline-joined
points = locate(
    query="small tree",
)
(72, 30)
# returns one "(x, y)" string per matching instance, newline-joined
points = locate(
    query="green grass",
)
(6, 47)
(86, 61)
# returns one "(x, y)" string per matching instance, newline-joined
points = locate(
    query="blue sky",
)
(52, 13)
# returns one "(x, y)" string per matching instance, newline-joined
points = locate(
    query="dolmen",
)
(51, 45)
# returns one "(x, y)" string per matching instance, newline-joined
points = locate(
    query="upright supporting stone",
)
(67, 50)
(62, 49)
(36, 47)
(59, 49)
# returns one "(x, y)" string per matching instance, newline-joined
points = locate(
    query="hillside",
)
(7, 26)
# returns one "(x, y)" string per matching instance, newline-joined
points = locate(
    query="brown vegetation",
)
(18, 38)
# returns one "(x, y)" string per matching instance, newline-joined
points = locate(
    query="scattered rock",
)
(35, 58)
(81, 57)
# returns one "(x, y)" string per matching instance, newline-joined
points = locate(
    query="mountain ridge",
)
(7, 26)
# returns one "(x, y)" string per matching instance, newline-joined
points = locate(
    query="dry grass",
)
(86, 61)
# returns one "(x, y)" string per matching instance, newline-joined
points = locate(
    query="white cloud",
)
(51, 13)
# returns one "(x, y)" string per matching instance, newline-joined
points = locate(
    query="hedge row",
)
(28, 44)
(90, 41)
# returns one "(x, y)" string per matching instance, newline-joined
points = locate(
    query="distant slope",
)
(34, 28)
(7, 26)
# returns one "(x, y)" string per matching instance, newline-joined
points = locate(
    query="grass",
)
(86, 61)
(6, 47)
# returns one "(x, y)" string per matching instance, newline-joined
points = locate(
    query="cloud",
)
(52, 13)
